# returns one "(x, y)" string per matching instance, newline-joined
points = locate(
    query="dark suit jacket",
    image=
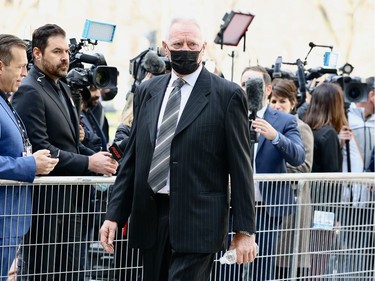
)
(211, 141)
(15, 201)
(272, 158)
(50, 127)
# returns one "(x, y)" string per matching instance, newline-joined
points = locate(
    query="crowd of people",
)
(185, 132)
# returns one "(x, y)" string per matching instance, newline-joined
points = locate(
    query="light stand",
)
(234, 27)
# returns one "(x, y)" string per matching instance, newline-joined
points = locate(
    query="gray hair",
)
(7, 41)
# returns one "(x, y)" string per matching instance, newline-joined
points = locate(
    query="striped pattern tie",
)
(157, 177)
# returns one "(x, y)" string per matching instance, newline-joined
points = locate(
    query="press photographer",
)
(98, 75)
(98, 78)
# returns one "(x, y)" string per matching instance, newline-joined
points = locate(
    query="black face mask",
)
(184, 62)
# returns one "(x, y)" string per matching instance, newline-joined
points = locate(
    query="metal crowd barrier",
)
(330, 236)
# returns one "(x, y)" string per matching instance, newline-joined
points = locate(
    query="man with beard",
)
(44, 102)
(94, 134)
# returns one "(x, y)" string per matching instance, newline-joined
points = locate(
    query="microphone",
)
(153, 63)
(116, 152)
(301, 82)
(254, 93)
(277, 67)
(312, 45)
(87, 58)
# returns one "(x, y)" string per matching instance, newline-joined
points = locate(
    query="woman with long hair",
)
(326, 117)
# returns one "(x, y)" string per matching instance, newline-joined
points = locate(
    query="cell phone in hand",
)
(56, 154)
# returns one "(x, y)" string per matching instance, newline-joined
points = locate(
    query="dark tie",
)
(62, 99)
(157, 177)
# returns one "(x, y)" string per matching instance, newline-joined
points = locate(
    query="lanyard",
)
(22, 129)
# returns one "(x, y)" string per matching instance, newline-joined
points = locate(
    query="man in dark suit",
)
(181, 226)
(16, 159)
(279, 143)
(45, 104)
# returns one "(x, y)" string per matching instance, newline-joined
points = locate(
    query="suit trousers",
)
(163, 263)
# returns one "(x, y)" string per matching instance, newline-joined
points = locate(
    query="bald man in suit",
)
(180, 227)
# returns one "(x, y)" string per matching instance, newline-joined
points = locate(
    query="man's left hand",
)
(245, 246)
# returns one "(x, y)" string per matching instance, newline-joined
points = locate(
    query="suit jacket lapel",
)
(196, 102)
(73, 113)
(153, 105)
(50, 91)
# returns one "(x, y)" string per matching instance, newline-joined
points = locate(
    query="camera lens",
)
(102, 78)
(354, 93)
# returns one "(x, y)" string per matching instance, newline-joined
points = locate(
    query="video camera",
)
(353, 89)
(99, 74)
(147, 61)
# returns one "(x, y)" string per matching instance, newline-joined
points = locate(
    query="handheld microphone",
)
(116, 152)
(277, 67)
(254, 93)
(301, 82)
(153, 63)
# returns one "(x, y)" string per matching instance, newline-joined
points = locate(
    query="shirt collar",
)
(261, 112)
(3, 95)
(190, 78)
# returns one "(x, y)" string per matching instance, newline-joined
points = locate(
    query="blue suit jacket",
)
(15, 201)
(272, 158)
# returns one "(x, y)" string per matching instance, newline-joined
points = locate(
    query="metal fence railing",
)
(328, 236)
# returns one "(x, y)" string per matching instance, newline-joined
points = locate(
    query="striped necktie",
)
(157, 177)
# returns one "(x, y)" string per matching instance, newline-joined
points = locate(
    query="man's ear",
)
(165, 50)
(371, 96)
(268, 91)
(37, 53)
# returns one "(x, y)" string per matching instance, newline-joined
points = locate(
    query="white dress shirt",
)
(185, 94)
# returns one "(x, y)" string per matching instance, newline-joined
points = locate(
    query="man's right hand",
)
(102, 163)
(107, 235)
(44, 163)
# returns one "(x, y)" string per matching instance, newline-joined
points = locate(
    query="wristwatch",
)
(276, 140)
